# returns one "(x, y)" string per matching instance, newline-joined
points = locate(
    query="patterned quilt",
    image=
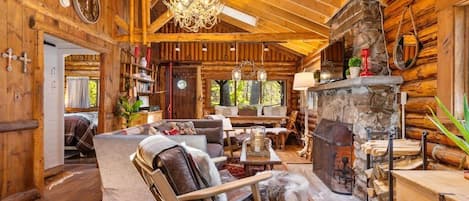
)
(79, 132)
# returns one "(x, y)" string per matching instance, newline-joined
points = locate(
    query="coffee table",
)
(256, 161)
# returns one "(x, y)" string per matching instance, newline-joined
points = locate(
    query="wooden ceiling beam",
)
(221, 37)
(261, 27)
(121, 23)
(160, 21)
(317, 12)
(287, 19)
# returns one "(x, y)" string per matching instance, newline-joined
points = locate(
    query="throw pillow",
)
(213, 135)
(186, 128)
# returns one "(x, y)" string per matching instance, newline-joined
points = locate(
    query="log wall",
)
(22, 28)
(218, 61)
(420, 82)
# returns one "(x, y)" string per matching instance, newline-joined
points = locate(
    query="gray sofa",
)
(120, 179)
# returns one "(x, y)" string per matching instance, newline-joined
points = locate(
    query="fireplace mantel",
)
(378, 80)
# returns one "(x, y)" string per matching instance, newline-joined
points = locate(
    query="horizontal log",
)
(448, 155)
(82, 63)
(433, 136)
(420, 72)
(439, 166)
(421, 88)
(18, 125)
(32, 194)
(233, 63)
(419, 120)
(420, 105)
(83, 68)
(224, 37)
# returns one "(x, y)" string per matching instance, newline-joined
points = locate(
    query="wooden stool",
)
(309, 148)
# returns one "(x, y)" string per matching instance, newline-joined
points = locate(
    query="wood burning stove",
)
(333, 155)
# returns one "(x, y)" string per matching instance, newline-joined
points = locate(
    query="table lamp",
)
(301, 82)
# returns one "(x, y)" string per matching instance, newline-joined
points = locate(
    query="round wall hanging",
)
(64, 3)
(182, 84)
(88, 10)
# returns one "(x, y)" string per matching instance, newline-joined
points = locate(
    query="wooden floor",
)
(81, 182)
(78, 182)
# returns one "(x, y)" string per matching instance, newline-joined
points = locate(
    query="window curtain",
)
(78, 92)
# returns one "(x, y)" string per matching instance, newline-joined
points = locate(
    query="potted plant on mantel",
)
(127, 109)
(354, 64)
(462, 126)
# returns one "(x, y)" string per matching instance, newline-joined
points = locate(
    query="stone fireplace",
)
(358, 24)
(364, 102)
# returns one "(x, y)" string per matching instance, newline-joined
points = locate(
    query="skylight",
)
(243, 17)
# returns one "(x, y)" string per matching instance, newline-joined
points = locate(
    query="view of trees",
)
(93, 92)
(246, 92)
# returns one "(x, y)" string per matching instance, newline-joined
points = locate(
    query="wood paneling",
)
(192, 51)
(421, 80)
(22, 25)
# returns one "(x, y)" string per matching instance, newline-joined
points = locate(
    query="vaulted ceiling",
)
(278, 19)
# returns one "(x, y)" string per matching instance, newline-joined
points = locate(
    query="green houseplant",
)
(127, 109)
(462, 126)
(354, 64)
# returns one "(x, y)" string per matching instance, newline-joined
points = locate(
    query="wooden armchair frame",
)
(162, 190)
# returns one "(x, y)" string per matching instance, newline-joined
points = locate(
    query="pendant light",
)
(236, 73)
(261, 73)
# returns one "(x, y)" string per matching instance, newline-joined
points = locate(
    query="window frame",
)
(453, 57)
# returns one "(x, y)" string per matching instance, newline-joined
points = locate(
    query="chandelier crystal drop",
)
(192, 15)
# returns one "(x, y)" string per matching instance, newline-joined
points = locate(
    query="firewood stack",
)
(407, 157)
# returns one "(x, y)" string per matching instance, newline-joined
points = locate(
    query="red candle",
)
(136, 53)
(148, 54)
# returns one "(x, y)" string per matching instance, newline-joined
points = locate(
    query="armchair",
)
(156, 171)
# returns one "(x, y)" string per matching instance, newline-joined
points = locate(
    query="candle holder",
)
(257, 144)
(366, 71)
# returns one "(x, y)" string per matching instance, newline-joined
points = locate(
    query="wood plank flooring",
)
(80, 182)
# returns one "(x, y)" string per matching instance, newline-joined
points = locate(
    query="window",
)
(81, 92)
(93, 90)
(247, 92)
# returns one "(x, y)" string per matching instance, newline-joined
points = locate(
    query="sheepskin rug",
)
(285, 186)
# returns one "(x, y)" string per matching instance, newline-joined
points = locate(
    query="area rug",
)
(237, 170)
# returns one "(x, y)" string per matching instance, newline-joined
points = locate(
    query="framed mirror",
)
(406, 51)
(88, 10)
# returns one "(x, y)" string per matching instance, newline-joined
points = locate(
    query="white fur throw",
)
(285, 186)
(207, 168)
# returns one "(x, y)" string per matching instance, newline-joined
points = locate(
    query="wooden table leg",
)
(228, 140)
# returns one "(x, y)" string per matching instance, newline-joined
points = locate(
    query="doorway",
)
(71, 101)
(184, 92)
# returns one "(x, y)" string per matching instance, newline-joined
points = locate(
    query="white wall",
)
(53, 107)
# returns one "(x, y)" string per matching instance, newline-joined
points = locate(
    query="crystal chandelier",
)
(194, 14)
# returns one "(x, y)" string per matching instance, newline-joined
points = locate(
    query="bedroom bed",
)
(79, 131)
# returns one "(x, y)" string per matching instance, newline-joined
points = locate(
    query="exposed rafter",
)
(160, 21)
(287, 19)
(311, 12)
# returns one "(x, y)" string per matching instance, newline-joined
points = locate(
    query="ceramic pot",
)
(354, 72)
(466, 174)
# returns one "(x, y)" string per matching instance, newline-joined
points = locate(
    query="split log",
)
(439, 166)
(420, 105)
(400, 148)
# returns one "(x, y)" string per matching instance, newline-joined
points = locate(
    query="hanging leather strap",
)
(409, 7)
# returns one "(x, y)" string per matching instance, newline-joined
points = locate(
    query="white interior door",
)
(53, 108)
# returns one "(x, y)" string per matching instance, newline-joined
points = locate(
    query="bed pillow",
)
(226, 111)
(177, 128)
